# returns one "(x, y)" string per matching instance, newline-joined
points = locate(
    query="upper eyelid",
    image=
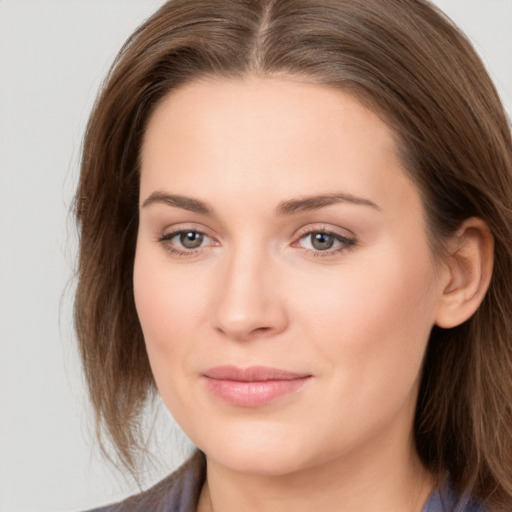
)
(181, 228)
(298, 233)
(335, 235)
(322, 228)
(342, 239)
(301, 232)
(166, 236)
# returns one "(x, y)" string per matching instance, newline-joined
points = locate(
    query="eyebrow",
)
(186, 203)
(309, 203)
(288, 207)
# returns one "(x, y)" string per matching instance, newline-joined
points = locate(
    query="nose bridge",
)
(249, 300)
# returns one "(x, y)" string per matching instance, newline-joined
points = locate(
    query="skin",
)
(256, 291)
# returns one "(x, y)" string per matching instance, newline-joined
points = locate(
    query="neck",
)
(371, 479)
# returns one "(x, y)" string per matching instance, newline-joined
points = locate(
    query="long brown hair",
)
(406, 61)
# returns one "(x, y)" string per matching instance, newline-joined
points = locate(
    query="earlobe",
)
(468, 273)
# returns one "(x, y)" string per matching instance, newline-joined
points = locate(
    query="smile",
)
(254, 386)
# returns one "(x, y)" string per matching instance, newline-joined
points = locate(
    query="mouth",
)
(254, 386)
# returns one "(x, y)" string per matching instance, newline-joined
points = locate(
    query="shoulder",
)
(179, 492)
(444, 499)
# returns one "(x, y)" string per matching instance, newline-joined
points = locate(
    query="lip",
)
(253, 386)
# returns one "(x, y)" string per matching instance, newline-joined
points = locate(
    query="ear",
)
(467, 273)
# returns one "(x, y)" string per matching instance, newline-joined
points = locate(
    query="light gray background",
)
(53, 55)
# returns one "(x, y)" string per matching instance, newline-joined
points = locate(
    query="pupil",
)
(322, 241)
(191, 240)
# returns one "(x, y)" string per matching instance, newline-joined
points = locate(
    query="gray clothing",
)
(180, 492)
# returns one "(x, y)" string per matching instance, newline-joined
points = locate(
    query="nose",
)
(250, 302)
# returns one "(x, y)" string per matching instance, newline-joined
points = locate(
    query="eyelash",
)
(345, 243)
(166, 239)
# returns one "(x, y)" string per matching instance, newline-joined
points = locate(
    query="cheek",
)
(370, 328)
(372, 324)
(153, 303)
(167, 297)
(164, 306)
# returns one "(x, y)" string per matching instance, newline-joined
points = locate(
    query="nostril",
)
(241, 332)
(262, 329)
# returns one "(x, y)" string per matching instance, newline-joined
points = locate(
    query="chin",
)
(257, 462)
(256, 451)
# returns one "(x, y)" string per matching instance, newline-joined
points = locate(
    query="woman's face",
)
(283, 277)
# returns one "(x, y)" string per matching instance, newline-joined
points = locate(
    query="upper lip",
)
(252, 373)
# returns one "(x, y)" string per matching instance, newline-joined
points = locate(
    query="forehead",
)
(264, 109)
(274, 136)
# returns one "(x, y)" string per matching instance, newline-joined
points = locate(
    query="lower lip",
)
(254, 393)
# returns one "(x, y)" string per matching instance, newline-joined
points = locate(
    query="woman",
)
(295, 223)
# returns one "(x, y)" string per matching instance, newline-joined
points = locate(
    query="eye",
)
(190, 239)
(185, 242)
(322, 241)
(325, 242)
